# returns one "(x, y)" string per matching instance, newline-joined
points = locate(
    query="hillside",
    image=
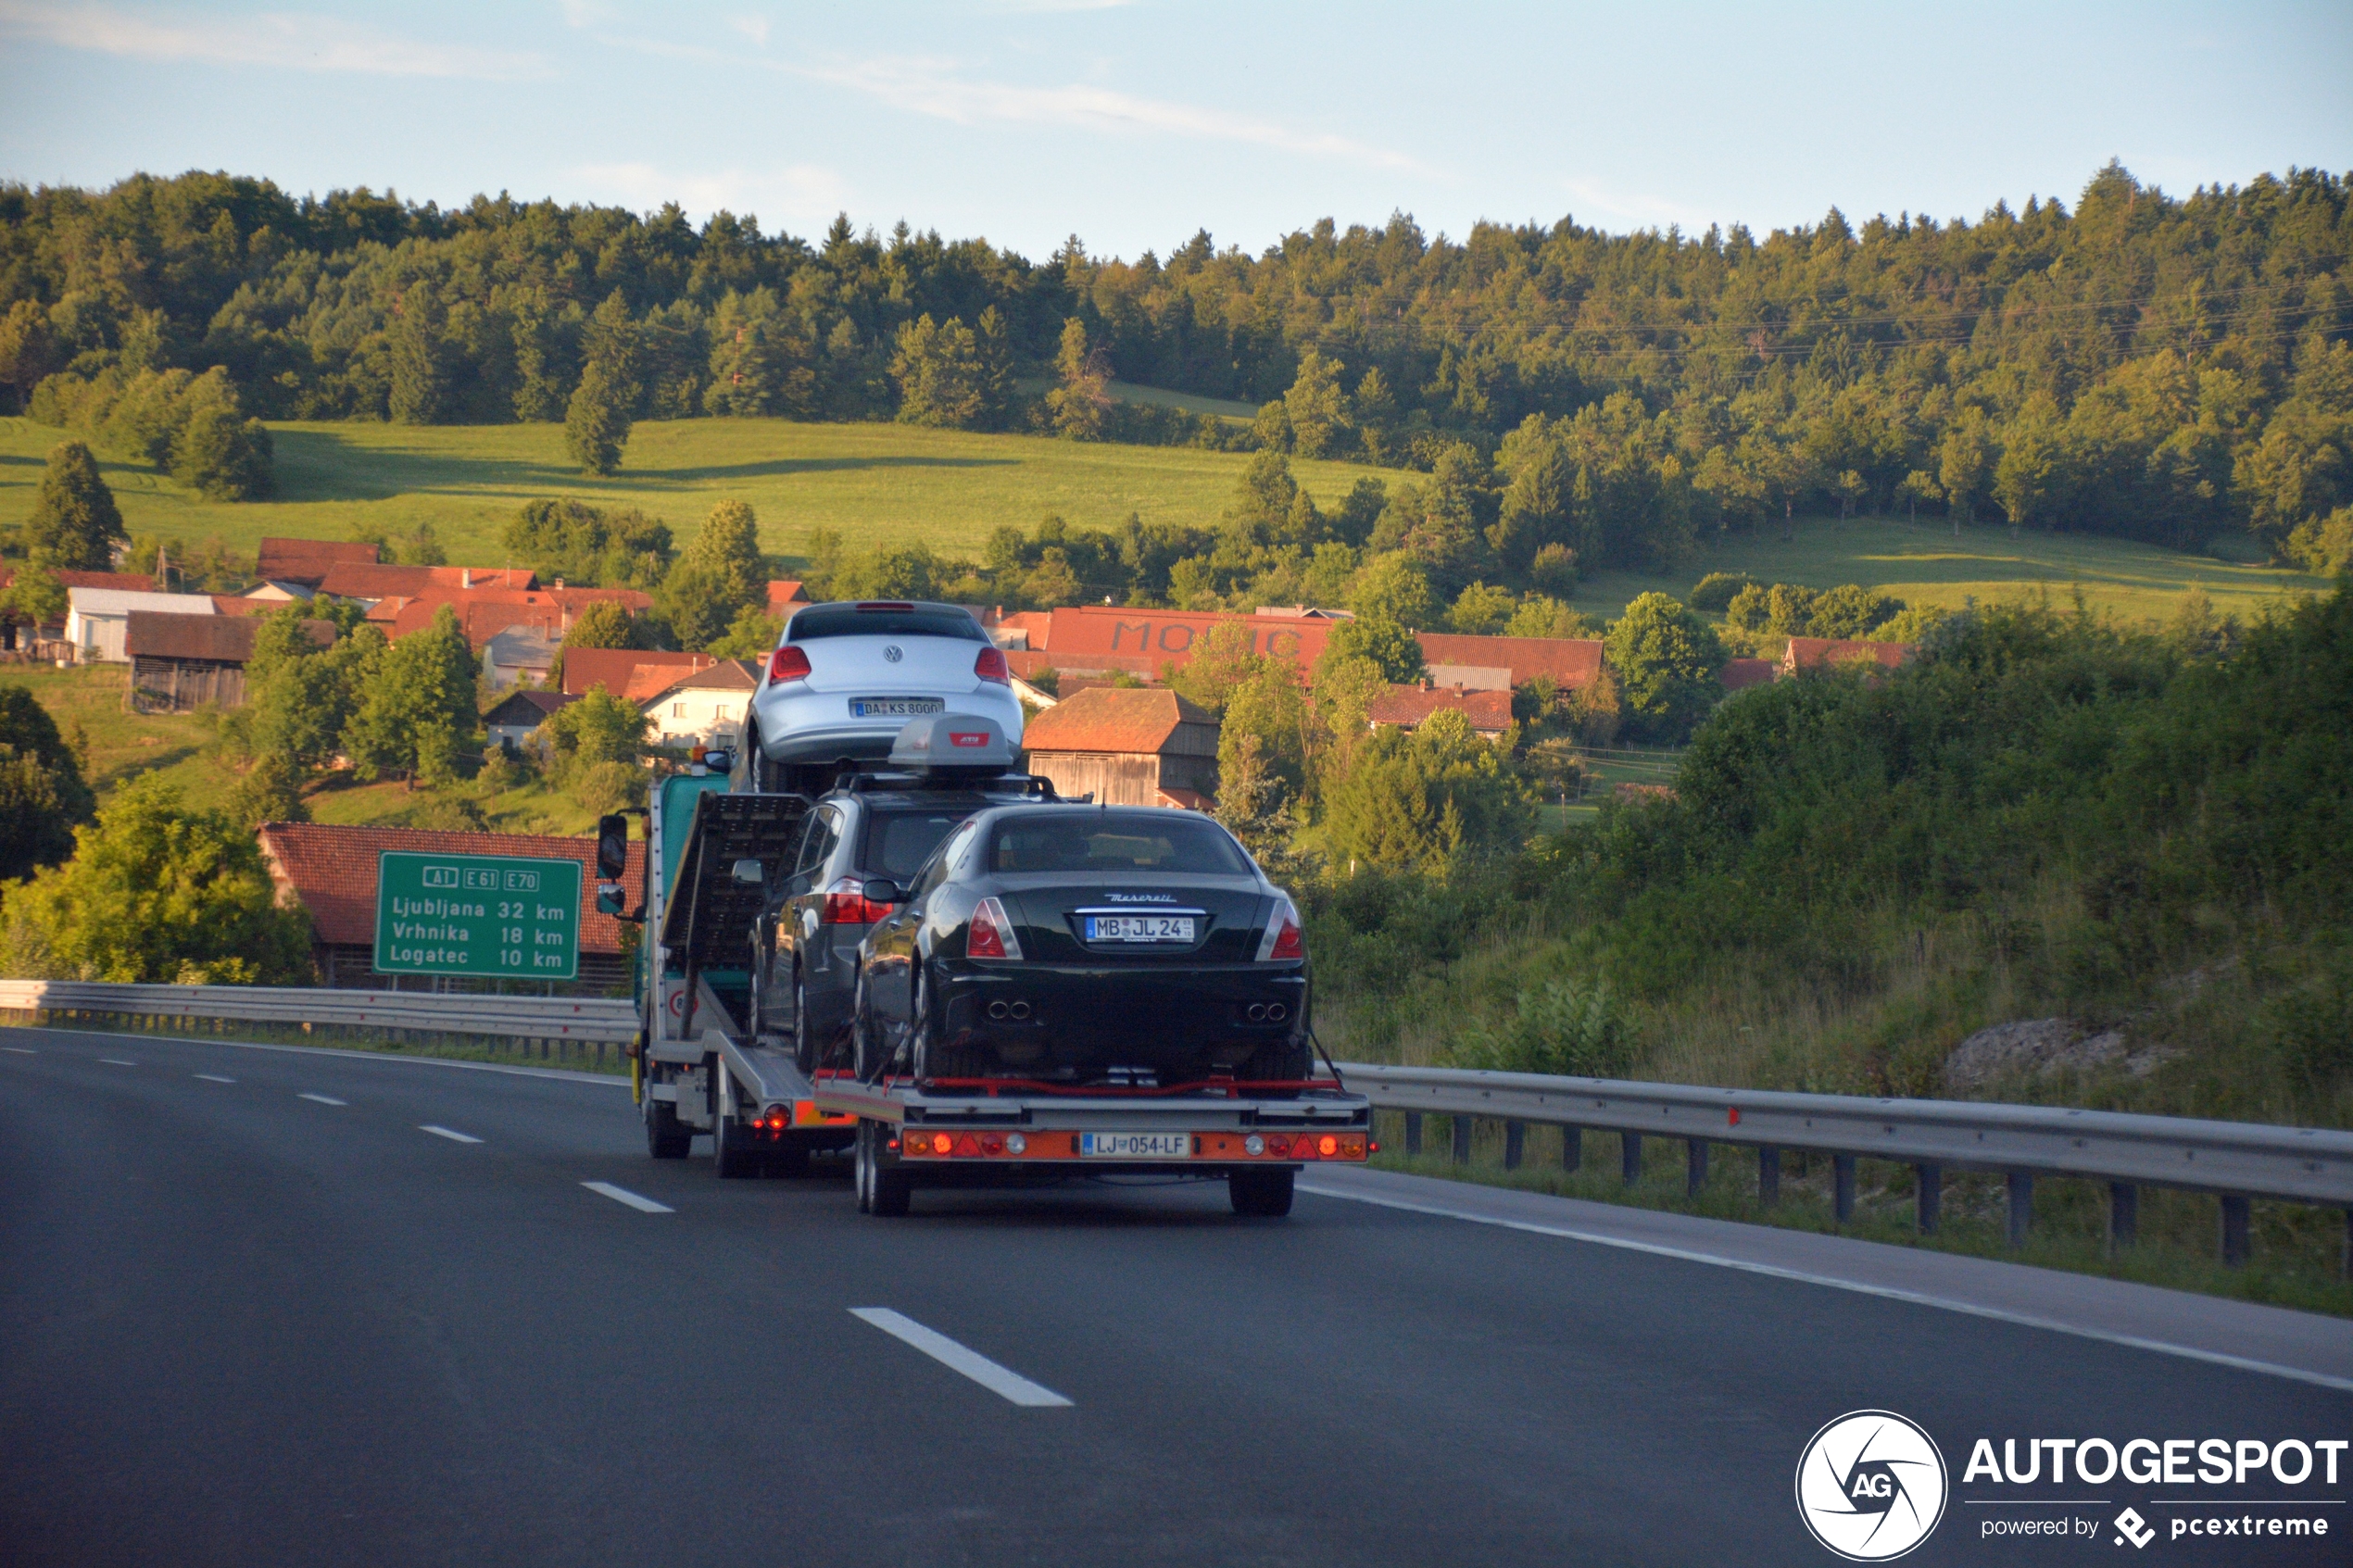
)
(873, 482)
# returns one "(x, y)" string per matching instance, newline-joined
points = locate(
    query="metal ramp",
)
(708, 920)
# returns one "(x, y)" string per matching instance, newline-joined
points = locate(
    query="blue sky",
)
(1134, 124)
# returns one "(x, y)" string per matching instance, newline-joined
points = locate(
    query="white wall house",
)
(96, 619)
(707, 706)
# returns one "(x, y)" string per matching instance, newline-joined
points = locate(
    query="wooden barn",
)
(180, 662)
(1128, 747)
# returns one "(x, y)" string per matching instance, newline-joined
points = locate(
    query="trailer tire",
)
(730, 1148)
(666, 1136)
(1260, 1195)
(884, 1193)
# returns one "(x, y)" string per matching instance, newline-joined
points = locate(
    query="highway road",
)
(276, 1306)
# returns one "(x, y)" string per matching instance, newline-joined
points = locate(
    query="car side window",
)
(934, 870)
(824, 831)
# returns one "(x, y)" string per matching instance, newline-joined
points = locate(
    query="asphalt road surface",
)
(266, 1306)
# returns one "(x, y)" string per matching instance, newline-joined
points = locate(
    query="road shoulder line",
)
(1457, 1210)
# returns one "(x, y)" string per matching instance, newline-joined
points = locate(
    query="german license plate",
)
(1140, 928)
(894, 706)
(1135, 1146)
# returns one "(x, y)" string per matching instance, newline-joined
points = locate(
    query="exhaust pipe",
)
(1277, 1013)
(1257, 1011)
(997, 1009)
(1020, 1009)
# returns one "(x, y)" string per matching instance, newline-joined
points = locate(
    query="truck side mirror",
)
(612, 846)
(610, 900)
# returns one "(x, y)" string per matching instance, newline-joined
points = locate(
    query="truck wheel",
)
(666, 1138)
(730, 1148)
(1260, 1195)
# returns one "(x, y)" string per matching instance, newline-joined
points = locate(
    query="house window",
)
(677, 710)
(720, 715)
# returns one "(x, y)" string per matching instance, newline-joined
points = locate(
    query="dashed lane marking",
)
(116, 1061)
(20, 1050)
(622, 1195)
(324, 1100)
(445, 1133)
(215, 1078)
(997, 1379)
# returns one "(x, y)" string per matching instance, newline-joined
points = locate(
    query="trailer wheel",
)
(666, 1136)
(881, 1192)
(1260, 1195)
(730, 1148)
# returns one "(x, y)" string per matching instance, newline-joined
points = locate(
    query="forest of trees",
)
(2170, 369)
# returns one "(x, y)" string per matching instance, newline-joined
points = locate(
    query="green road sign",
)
(477, 914)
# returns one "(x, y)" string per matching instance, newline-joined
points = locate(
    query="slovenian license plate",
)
(894, 706)
(1140, 928)
(1135, 1146)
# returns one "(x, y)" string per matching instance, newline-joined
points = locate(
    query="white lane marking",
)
(323, 1100)
(947, 1353)
(20, 1050)
(215, 1078)
(445, 1133)
(1885, 1292)
(116, 1061)
(610, 1080)
(622, 1195)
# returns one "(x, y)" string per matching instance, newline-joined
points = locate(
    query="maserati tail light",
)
(991, 934)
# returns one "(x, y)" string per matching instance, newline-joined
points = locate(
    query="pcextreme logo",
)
(1870, 1486)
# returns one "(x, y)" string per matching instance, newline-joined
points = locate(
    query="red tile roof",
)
(1741, 673)
(1112, 718)
(307, 560)
(616, 668)
(1572, 662)
(122, 582)
(1490, 712)
(332, 870)
(482, 613)
(784, 593)
(362, 579)
(1142, 641)
(1821, 653)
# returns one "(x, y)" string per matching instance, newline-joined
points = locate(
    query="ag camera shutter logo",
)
(1871, 1486)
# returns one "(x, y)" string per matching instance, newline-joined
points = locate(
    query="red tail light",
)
(787, 663)
(846, 904)
(1283, 938)
(991, 934)
(991, 666)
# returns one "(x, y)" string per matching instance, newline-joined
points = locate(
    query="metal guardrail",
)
(587, 1020)
(2233, 1160)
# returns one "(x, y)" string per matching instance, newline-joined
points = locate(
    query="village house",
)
(1404, 707)
(304, 563)
(96, 619)
(622, 670)
(1127, 746)
(705, 706)
(1826, 653)
(15, 635)
(512, 721)
(330, 873)
(181, 662)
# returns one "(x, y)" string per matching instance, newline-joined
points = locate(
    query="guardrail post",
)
(1695, 1167)
(1630, 1157)
(1462, 1138)
(1412, 1132)
(1573, 1158)
(1768, 1176)
(1515, 1144)
(1843, 1186)
(1929, 1201)
(2123, 1215)
(2236, 1214)
(2021, 1183)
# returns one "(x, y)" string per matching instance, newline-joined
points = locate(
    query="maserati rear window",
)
(1089, 842)
(895, 621)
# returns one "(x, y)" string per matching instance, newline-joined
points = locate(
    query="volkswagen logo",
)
(890, 652)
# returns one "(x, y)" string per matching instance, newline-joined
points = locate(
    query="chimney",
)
(465, 577)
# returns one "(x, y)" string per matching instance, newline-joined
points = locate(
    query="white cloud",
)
(799, 195)
(754, 27)
(1601, 206)
(1060, 5)
(589, 13)
(279, 39)
(933, 87)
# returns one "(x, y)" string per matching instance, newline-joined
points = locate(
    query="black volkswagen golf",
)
(1073, 944)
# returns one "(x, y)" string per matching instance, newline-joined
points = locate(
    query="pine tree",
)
(596, 423)
(75, 524)
(1078, 401)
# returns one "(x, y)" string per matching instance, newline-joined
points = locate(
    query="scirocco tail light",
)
(787, 663)
(846, 904)
(1282, 939)
(991, 934)
(992, 666)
